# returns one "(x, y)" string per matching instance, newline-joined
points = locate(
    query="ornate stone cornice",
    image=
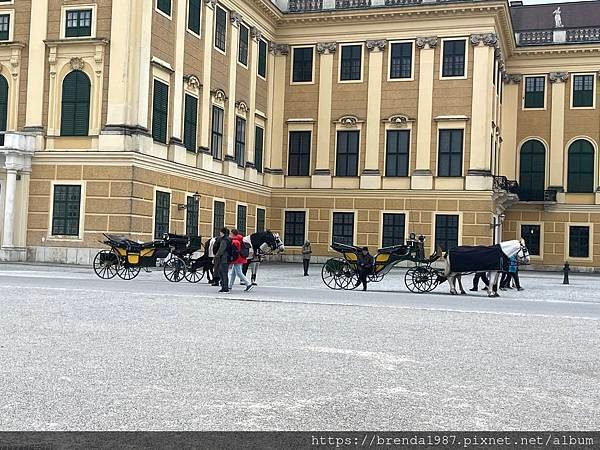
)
(325, 48)
(235, 18)
(426, 42)
(512, 78)
(279, 49)
(558, 77)
(210, 3)
(487, 39)
(255, 33)
(377, 45)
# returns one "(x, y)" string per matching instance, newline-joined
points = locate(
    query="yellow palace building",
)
(469, 121)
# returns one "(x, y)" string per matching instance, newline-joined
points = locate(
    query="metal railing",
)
(348, 4)
(536, 37)
(550, 195)
(559, 36)
(402, 2)
(583, 35)
(501, 183)
(305, 5)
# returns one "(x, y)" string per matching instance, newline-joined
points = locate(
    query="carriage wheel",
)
(330, 272)
(127, 272)
(174, 269)
(194, 275)
(348, 277)
(106, 264)
(418, 279)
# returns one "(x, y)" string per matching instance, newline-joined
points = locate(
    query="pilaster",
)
(209, 10)
(250, 173)
(37, 58)
(274, 172)
(557, 130)
(230, 165)
(509, 125)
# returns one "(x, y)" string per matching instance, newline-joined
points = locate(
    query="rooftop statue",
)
(557, 18)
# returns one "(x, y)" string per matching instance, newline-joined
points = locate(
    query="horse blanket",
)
(476, 258)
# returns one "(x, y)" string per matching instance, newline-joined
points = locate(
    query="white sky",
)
(538, 2)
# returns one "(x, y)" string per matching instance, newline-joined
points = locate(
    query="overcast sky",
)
(537, 2)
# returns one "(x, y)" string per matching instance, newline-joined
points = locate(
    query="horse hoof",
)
(452, 293)
(463, 293)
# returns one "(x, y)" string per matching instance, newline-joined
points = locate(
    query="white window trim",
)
(541, 225)
(214, 36)
(567, 241)
(381, 213)
(163, 13)
(391, 127)
(63, 20)
(256, 219)
(354, 231)
(299, 127)
(80, 236)
(241, 64)
(524, 84)
(166, 191)
(412, 62)
(446, 213)
(362, 62)
(212, 213)
(340, 127)
(266, 59)
(300, 83)
(237, 204)
(594, 77)
(11, 25)
(191, 194)
(451, 125)
(306, 212)
(457, 38)
(187, 21)
(10, 2)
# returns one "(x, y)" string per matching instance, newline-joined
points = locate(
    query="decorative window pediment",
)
(349, 121)
(399, 121)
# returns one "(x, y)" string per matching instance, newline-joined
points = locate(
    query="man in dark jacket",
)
(221, 263)
(365, 267)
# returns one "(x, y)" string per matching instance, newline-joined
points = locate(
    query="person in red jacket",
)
(235, 266)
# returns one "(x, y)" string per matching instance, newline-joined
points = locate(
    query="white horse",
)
(509, 248)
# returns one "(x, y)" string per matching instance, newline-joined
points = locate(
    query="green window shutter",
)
(3, 106)
(75, 117)
(190, 124)
(160, 108)
(532, 174)
(65, 210)
(580, 177)
(262, 58)
(162, 214)
(259, 148)
(194, 16)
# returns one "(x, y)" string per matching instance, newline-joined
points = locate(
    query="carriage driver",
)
(365, 267)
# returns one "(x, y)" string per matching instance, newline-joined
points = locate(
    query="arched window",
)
(75, 118)
(3, 106)
(532, 174)
(581, 167)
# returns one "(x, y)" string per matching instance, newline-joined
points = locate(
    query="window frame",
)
(382, 223)
(187, 214)
(163, 13)
(436, 214)
(160, 189)
(312, 76)
(590, 228)
(185, 95)
(187, 20)
(63, 20)
(259, 167)
(238, 143)
(82, 198)
(524, 93)
(520, 226)
(154, 81)
(62, 96)
(288, 242)
(385, 153)
(224, 50)
(462, 152)
(266, 47)
(264, 219)
(218, 156)
(362, 62)
(289, 153)
(337, 154)
(594, 92)
(354, 224)
(241, 25)
(568, 165)
(412, 61)
(214, 229)
(464, 76)
(239, 205)
(520, 166)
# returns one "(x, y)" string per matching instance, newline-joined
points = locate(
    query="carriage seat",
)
(399, 249)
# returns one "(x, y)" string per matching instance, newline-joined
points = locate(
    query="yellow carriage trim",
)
(121, 251)
(351, 257)
(147, 252)
(381, 260)
(133, 258)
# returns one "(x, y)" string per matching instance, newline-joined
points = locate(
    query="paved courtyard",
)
(80, 353)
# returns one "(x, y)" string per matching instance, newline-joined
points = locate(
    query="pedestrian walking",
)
(480, 276)
(237, 261)
(221, 259)
(306, 253)
(365, 267)
(213, 248)
(512, 274)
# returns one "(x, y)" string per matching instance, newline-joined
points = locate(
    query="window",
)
(240, 140)
(294, 228)
(343, 228)
(302, 71)
(446, 231)
(66, 209)
(241, 218)
(190, 123)
(194, 11)
(579, 242)
(78, 23)
(450, 153)
(535, 96)
(160, 111)
(75, 117)
(393, 229)
(243, 45)
(581, 167)
(532, 173)
(3, 106)
(453, 64)
(531, 235)
(299, 158)
(396, 153)
(4, 27)
(260, 220)
(161, 214)
(164, 6)
(218, 217)
(191, 220)
(401, 60)
(220, 28)
(259, 143)
(346, 163)
(583, 91)
(350, 65)
(216, 140)
(262, 58)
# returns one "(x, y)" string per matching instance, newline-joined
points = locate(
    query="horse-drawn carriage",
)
(343, 273)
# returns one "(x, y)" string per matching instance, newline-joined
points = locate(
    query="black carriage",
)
(185, 260)
(343, 273)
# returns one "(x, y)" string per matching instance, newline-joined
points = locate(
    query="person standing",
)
(221, 263)
(480, 276)
(213, 248)
(511, 274)
(238, 261)
(365, 267)
(306, 252)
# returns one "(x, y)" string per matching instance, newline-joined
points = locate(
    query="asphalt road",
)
(79, 353)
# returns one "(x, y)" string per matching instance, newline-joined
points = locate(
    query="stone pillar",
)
(9, 208)
(270, 98)
(371, 176)
(322, 175)
(206, 75)
(176, 148)
(37, 58)
(422, 177)
(557, 133)
(230, 164)
(510, 108)
(479, 174)
(250, 137)
(277, 124)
